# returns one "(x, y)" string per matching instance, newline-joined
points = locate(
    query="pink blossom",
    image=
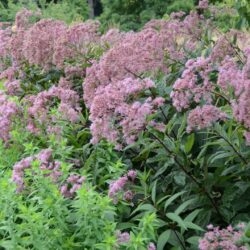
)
(12, 87)
(75, 42)
(73, 183)
(23, 18)
(40, 106)
(132, 174)
(39, 42)
(225, 239)
(187, 89)
(203, 4)
(117, 186)
(128, 195)
(151, 246)
(110, 109)
(8, 111)
(121, 186)
(122, 237)
(5, 36)
(46, 162)
(203, 117)
(112, 37)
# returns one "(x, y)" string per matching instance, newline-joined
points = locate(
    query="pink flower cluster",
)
(151, 246)
(46, 163)
(122, 237)
(18, 38)
(203, 4)
(112, 37)
(48, 42)
(12, 87)
(39, 43)
(180, 37)
(232, 75)
(225, 239)
(52, 169)
(114, 114)
(75, 42)
(203, 117)
(138, 52)
(41, 104)
(194, 84)
(23, 19)
(8, 110)
(5, 35)
(73, 183)
(113, 86)
(223, 47)
(119, 185)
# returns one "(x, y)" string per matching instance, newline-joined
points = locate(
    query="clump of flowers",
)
(238, 78)
(223, 47)
(73, 183)
(230, 76)
(41, 104)
(180, 37)
(75, 42)
(194, 84)
(203, 4)
(120, 185)
(114, 114)
(203, 117)
(46, 163)
(8, 110)
(226, 239)
(52, 170)
(241, 110)
(122, 238)
(112, 37)
(39, 42)
(23, 19)
(136, 54)
(5, 35)
(151, 246)
(12, 87)
(19, 34)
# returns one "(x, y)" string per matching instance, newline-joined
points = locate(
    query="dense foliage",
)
(133, 14)
(66, 10)
(125, 140)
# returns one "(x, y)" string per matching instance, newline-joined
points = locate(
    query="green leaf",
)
(180, 179)
(184, 205)
(162, 199)
(163, 239)
(172, 198)
(178, 219)
(221, 155)
(182, 127)
(191, 225)
(231, 170)
(153, 194)
(192, 216)
(194, 240)
(190, 142)
(247, 233)
(145, 207)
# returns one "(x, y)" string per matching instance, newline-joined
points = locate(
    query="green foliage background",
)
(66, 10)
(133, 14)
